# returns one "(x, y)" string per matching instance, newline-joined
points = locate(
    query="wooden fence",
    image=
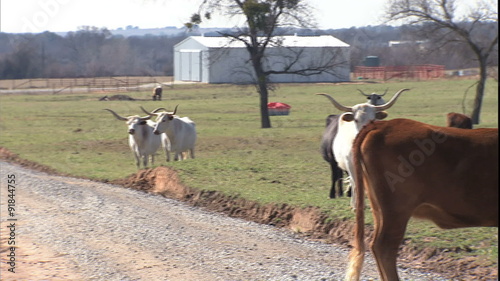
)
(418, 72)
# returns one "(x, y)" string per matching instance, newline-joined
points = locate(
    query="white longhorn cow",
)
(181, 132)
(142, 141)
(361, 114)
(327, 146)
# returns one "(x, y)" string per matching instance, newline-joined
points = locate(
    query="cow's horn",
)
(149, 113)
(116, 115)
(384, 92)
(363, 93)
(391, 102)
(175, 110)
(336, 104)
(145, 118)
(156, 110)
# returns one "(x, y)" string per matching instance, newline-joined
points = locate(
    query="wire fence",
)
(94, 84)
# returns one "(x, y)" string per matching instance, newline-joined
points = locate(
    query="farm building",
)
(223, 60)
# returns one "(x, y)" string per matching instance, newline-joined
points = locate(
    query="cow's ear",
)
(381, 115)
(143, 123)
(170, 117)
(348, 117)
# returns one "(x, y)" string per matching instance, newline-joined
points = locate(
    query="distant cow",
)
(142, 141)
(181, 132)
(411, 169)
(157, 93)
(374, 98)
(458, 120)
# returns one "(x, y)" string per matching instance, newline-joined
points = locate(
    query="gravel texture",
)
(74, 229)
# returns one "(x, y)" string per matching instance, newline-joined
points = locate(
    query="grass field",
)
(73, 134)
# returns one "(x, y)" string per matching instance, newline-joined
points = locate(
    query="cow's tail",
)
(357, 255)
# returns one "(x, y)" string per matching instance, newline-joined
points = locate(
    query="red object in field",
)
(278, 108)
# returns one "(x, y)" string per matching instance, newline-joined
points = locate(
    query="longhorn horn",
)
(391, 102)
(384, 92)
(363, 93)
(116, 115)
(149, 113)
(336, 104)
(156, 110)
(145, 118)
(154, 113)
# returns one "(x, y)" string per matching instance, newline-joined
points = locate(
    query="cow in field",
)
(411, 169)
(374, 98)
(362, 114)
(327, 145)
(142, 141)
(181, 132)
(458, 120)
(157, 91)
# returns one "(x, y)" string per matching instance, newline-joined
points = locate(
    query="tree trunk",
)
(264, 112)
(483, 75)
(256, 57)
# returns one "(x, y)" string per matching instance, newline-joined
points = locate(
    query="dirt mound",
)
(310, 222)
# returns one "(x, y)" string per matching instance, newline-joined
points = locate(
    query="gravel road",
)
(73, 229)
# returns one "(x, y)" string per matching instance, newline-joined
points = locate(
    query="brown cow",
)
(157, 93)
(411, 169)
(458, 120)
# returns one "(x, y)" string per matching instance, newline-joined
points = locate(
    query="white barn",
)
(223, 60)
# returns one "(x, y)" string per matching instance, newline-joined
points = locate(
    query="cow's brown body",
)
(412, 169)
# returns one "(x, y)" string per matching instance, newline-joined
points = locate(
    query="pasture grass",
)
(73, 134)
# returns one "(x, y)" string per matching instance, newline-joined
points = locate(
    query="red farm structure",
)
(419, 72)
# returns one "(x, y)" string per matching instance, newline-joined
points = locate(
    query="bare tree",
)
(442, 17)
(264, 21)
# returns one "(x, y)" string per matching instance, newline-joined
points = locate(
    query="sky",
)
(34, 16)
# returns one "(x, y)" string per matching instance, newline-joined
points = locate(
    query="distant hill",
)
(161, 31)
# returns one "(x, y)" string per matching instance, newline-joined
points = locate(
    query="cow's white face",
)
(163, 122)
(133, 124)
(363, 114)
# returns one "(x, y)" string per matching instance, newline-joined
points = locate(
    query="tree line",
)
(95, 52)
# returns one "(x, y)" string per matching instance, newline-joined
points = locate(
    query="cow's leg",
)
(145, 160)
(350, 169)
(166, 146)
(353, 193)
(338, 180)
(192, 153)
(184, 155)
(137, 160)
(333, 168)
(349, 188)
(390, 227)
(152, 160)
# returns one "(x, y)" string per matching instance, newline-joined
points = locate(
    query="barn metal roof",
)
(288, 41)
